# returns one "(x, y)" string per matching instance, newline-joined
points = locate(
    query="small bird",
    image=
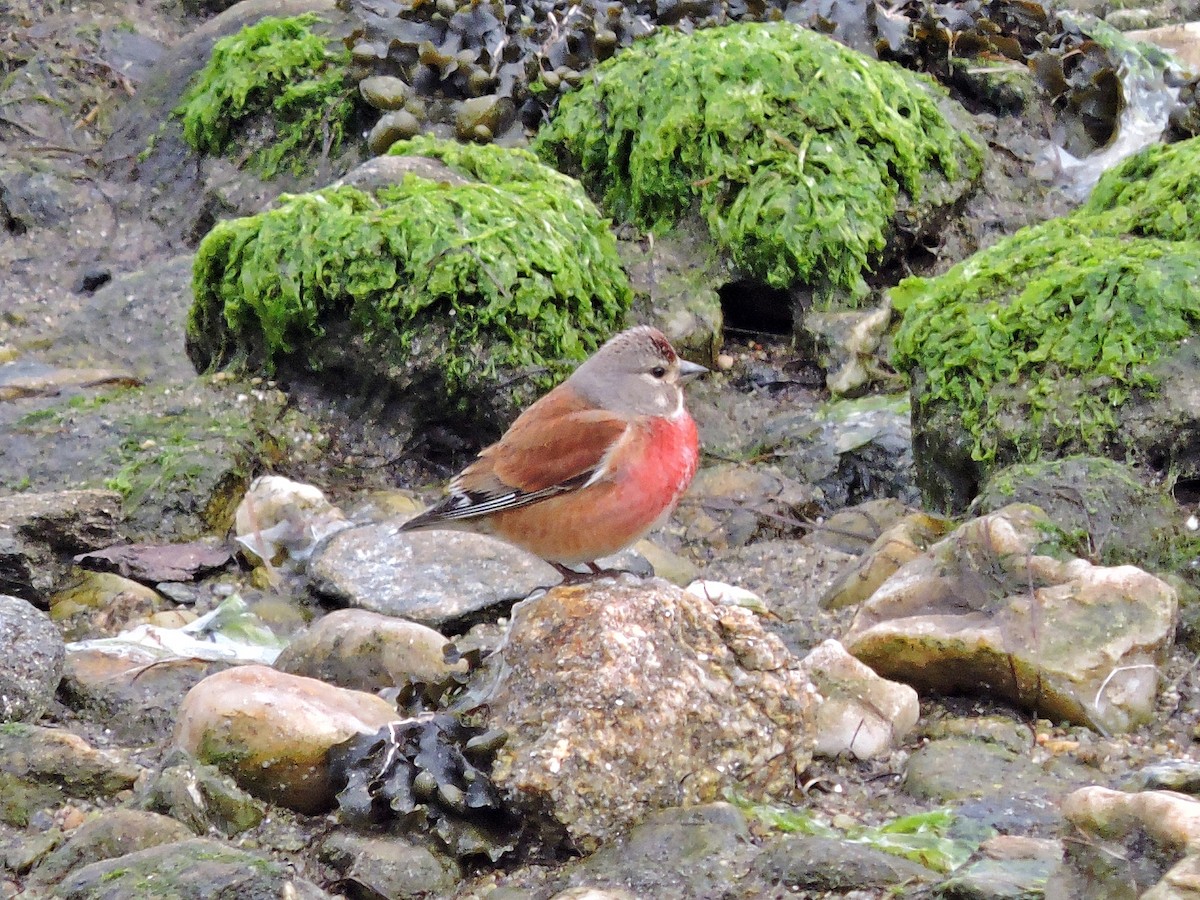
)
(590, 467)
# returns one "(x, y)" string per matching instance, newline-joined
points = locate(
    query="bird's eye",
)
(658, 371)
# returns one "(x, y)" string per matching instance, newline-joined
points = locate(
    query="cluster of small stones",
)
(485, 70)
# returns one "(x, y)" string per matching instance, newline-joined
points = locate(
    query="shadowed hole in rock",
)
(752, 306)
(1187, 491)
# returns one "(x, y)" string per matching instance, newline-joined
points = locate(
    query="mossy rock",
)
(1107, 510)
(458, 298)
(277, 93)
(1155, 193)
(810, 163)
(1075, 336)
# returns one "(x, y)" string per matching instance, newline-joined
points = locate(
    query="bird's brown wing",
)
(555, 446)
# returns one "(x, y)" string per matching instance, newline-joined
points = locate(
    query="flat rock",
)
(431, 577)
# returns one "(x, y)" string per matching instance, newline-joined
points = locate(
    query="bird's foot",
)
(571, 576)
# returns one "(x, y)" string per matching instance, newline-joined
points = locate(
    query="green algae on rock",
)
(280, 68)
(425, 283)
(1060, 339)
(1006, 328)
(1155, 193)
(798, 151)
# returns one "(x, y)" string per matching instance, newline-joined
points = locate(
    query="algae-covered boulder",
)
(285, 78)
(811, 163)
(428, 290)
(1074, 336)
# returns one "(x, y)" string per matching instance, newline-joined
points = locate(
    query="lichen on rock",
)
(798, 152)
(279, 68)
(421, 282)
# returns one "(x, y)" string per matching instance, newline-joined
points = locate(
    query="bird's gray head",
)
(637, 372)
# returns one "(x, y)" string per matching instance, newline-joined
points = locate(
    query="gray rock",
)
(201, 797)
(695, 852)
(41, 767)
(431, 577)
(196, 869)
(1006, 868)
(388, 867)
(624, 696)
(354, 648)
(803, 862)
(39, 533)
(31, 660)
(114, 832)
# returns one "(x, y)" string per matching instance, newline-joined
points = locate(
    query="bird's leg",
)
(570, 576)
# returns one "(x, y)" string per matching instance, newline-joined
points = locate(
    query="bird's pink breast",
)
(646, 480)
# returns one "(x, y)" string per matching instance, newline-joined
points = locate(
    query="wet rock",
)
(112, 833)
(481, 118)
(279, 518)
(391, 127)
(900, 544)
(31, 660)
(731, 505)
(1108, 507)
(101, 604)
(22, 380)
(1007, 867)
(135, 694)
(984, 610)
(859, 714)
(386, 92)
(31, 199)
(40, 532)
(994, 786)
(388, 867)
(687, 853)
(270, 731)
(1181, 775)
(196, 869)
(598, 742)
(853, 450)
(799, 862)
(431, 577)
(384, 170)
(354, 648)
(201, 797)
(153, 563)
(854, 529)
(1129, 845)
(41, 767)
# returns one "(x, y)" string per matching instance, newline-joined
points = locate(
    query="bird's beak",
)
(690, 370)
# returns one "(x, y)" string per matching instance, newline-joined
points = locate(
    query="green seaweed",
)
(1155, 193)
(520, 273)
(277, 67)
(1015, 322)
(796, 149)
